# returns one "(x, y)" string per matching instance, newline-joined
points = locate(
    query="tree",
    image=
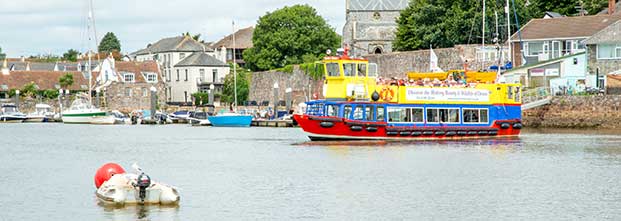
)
(50, 94)
(66, 80)
(228, 93)
(109, 43)
(71, 55)
(2, 55)
(196, 37)
(282, 37)
(200, 98)
(29, 90)
(444, 23)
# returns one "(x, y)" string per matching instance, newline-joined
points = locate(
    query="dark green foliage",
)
(568, 7)
(109, 43)
(50, 94)
(287, 36)
(66, 80)
(228, 93)
(445, 23)
(2, 55)
(200, 98)
(196, 37)
(71, 55)
(29, 90)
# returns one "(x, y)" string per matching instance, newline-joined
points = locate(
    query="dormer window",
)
(150, 77)
(129, 77)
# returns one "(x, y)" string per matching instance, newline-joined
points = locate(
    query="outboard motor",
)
(142, 183)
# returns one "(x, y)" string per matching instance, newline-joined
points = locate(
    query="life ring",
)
(387, 94)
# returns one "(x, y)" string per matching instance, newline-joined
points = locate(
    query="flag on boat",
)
(433, 62)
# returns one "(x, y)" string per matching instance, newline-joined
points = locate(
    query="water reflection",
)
(140, 212)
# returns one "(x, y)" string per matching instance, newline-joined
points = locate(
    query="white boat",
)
(10, 114)
(43, 113)
(120, 118)
(199, 119)
(82, 112)
(126, 188)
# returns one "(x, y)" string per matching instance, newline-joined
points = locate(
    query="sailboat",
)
(233, 119)
(82, 110)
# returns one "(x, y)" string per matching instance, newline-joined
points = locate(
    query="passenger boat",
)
(10, 114)
(359, 105)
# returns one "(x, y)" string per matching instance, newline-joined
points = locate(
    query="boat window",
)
(517, 94)
(358, 113)
(333, 69)
(380, 114)
(510, 93)
(443, 115)
(362, 70)
(398, 115)
(369, 112)
(349, 69)
(432, 115)
(332, 110)
(475, 116)
(417, 115)
(346, 111)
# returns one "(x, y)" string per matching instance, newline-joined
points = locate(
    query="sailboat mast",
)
(508, 11)
(483, 28)
(234, 67)
(90, 69)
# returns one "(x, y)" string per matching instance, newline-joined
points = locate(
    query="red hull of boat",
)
(332, 128)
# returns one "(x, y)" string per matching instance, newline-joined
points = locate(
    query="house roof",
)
(202, 60)
(174, 44)
(564, 27)
(543, 63)
(610, 34)
(45, 80)
(243, 39)
(138, 68)
(374, 5)
(48, 66)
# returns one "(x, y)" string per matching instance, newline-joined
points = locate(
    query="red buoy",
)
(105, 172)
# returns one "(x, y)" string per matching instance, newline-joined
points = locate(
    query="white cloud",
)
(43, 26)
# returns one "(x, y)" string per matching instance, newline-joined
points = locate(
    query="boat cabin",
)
(348, 78)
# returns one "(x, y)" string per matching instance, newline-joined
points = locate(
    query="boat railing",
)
(535, 94)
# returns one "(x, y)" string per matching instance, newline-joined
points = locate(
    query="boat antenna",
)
(234, 69)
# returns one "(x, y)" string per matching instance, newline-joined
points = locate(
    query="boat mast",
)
(483, 35)
(234, 68)
(90, 70)
(508, 11)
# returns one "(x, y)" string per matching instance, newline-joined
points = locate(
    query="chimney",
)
(611, 6)
(5, 67)
(28, 66)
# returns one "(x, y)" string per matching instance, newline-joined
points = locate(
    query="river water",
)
(46, 173)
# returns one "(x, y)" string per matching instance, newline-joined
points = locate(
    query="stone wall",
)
(605, 66)
(117, 96)
(262, 86)
(577, 112)
(398, 64)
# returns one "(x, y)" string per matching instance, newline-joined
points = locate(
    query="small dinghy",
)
(118, 188)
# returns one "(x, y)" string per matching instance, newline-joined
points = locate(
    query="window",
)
(214, 75)
(202, 75)
(417, 115)
(346, 111)
(438, 115)
(358, 113)
(534, 48)
(128, 77)
(332, 110)
(145, 92)
(405, 115)
(349, 69)
(169, 76)
(380, 114)
(186, 74)
(128, 92)
(475, 116)
(362, 70)
(181, 56)
(369, 112)
(333, 70)
(151, 77)
(177, 75)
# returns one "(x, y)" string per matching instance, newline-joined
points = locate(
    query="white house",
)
(182, 60)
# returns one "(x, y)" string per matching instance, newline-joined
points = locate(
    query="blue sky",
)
(31, 27)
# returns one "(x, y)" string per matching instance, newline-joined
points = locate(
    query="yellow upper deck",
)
(357, 79)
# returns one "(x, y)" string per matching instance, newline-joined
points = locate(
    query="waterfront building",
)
(183, 61)
(371, 25)
(243, 40)
(604, 58)
(550, 52)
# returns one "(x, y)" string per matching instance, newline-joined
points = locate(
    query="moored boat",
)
(10, 114)
(361, 106)
(82, 112)
(199, 118)
(42, 113)
(230, 120)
